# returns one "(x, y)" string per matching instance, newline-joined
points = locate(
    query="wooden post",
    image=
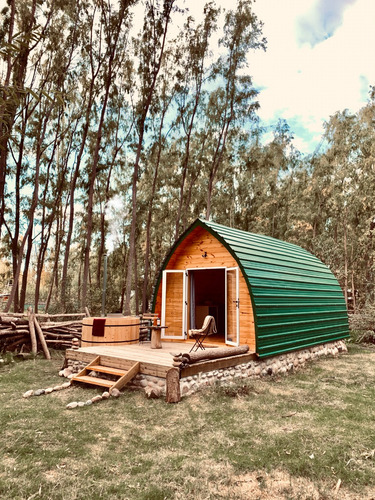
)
(47, 354)
(173, 394)
(156, 337)
(34, 345)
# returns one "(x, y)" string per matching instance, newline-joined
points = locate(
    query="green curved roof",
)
(297, 301)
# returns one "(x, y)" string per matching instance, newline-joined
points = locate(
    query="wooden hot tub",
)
(112, 330)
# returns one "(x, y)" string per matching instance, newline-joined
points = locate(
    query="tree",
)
(235, 99)
(150, 50)
(193, 75)
(116, 42)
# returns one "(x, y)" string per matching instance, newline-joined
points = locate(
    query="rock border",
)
(39, 392)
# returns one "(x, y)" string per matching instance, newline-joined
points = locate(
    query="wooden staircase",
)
(123, 376)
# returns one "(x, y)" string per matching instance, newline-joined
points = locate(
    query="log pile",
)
(28, 332)
(186, 359)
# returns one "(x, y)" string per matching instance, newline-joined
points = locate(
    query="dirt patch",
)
(280, 485)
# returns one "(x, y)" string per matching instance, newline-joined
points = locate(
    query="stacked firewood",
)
(29, 332)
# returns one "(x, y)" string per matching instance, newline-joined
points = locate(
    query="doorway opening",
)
(207, 297)
(189, 295)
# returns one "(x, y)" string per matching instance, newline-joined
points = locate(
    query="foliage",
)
(115, 136)
(363, 320)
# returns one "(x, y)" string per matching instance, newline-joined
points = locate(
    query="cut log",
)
(59, 343)
(194, 357)
(173, 393)
(34, 345)
(64, 336)
(18, 342)
(73, 315)
(11, 333)
(47, 354)
(9, 320)
(13, 338)
(49, 325)
(15, 315)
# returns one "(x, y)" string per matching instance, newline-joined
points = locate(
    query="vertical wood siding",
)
(188, 255)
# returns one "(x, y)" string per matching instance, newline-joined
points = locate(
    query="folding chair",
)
(199, 335)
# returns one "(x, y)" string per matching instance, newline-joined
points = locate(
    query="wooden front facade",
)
(200, 278)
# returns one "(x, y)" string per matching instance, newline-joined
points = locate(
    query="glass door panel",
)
(174, 305)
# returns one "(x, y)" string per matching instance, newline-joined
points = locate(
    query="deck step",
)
(85, 379)
(108, 370)
(123, 376)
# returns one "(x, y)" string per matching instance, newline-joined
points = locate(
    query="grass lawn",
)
(310, 435)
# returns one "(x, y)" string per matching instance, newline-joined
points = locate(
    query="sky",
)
(320, 59)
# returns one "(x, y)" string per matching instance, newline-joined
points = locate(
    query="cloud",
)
(321, 21)
(305, 82)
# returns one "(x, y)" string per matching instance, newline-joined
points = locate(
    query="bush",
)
(367, 337)
(363, 320)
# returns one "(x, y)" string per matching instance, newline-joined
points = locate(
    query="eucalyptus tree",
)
(194, 74)
(115, 27)
(349, 198)
(39, 149)
(111, 163)
(161, 128)
(233, 101)
(149, 49)
(17, 34)
(28, 106)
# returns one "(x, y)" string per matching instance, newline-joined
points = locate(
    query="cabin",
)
(268, 297)
(273, 296)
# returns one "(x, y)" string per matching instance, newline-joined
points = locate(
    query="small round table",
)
(156, 336)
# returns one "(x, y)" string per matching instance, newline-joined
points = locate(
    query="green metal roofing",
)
(297, 301)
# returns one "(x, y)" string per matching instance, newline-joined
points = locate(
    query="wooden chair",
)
(147, 320)
(199, 335)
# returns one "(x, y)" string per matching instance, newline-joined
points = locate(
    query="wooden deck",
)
(156, 362)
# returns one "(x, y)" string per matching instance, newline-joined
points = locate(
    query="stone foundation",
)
(275, 365)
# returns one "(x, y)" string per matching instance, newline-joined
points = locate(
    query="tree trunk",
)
(102, 228)
(345, 260)
(25, 272)
(73, 183)
(185, 167)
(55, 264)
(219, 152)
(5, 118)
(149, 215)
(33, 206)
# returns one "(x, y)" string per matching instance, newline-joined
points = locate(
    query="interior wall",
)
(210, 297)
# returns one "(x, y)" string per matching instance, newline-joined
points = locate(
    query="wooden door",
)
(174, 304)
(232, 331)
